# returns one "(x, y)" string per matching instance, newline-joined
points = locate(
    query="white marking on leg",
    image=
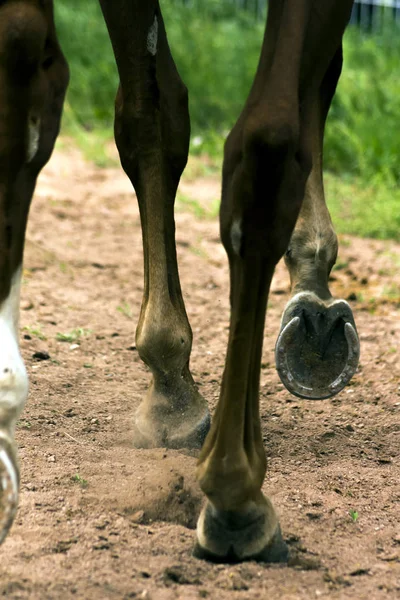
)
(317, 247)
(33, 137)
(236, 236)
(5, 460)
(9, 493)
(152, 37)
(13, 376)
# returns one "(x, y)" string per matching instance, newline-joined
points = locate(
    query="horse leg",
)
(152, 134)
(33, 80)
(317, 350)
(268, 158)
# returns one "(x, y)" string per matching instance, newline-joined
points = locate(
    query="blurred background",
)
(216, 44)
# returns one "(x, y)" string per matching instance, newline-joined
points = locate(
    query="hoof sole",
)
(317, 350)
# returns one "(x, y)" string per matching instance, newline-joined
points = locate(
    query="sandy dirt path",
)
(101, 520)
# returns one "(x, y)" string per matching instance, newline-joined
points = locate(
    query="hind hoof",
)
(317, 350)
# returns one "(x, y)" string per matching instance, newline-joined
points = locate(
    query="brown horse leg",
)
(268, 158)
(33, 80)
(152, 134)
(317, 350)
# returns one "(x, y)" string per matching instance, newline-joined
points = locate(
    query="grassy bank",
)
(216, 51)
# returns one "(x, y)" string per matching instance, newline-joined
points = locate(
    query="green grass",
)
(366, 210)
(187, 204)
(216, 50)
(73, 336)
(361, 134)
(216, 55)
(84, 40)
(80, 480)
(35, 331)
(354, 515)
(126, 310)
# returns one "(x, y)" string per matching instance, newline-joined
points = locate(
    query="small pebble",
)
(41, 355)
(26, 305)
(138, 516)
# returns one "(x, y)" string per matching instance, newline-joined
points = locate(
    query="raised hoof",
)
(8, 488)
(160, 423)
(317, 350)
(232, 537)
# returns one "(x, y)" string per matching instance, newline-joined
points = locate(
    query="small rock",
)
(178, 574)
(51, 458)
(349, 427)
(26, 305)
(327, 435)
(70, 412)
(360, 571)
(138, 516)
(41, 355)
(102, 545)
(63, 546)
(391, 557)
(304, 563)
(102, 523)
(333, 577)
(314, 516)
(237, 582)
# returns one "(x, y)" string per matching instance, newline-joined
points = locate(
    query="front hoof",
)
(317, 350)
(161, 423)
(232, 537)
(8, 488)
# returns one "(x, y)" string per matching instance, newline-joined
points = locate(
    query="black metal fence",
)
(373, 15)
(370, 15)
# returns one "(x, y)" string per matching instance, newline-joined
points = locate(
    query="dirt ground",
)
(87, 525)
